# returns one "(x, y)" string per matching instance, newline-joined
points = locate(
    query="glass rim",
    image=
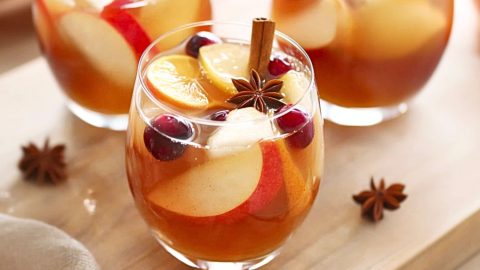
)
(205, 121)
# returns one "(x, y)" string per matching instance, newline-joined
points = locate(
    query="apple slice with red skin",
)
(101, 44)
(126, 25)
(269, 186)
(226, 189)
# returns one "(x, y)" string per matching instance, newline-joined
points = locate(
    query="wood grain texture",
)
(471, 264)
(434, 149)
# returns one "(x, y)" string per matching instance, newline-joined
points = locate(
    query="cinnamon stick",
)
(263, 31)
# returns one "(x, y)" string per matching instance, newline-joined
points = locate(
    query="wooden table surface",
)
(434, 149)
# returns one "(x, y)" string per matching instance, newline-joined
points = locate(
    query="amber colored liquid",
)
(348, 79)
(218, 238)
(351, 81)
(80, 80)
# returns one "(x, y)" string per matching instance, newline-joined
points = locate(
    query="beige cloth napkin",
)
(27, 244)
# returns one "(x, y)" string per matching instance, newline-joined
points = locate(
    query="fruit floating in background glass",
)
(370, 56)
(93, 47)
(222, 185)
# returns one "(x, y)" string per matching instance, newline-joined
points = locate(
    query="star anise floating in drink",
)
(257, 93)
(373, 201)
(43, 165)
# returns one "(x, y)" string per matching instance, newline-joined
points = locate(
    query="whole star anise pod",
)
(258, 94)
(43, 165)
(373, 201)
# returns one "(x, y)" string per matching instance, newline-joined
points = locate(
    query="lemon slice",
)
(173, 79)
(222, 62)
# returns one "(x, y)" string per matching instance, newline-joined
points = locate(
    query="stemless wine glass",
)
(93, 48)
(370, 56)
(222, 191)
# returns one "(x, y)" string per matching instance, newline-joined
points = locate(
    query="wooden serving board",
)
(434, 149)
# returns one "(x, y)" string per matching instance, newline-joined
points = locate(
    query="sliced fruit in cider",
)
(225, 61)
(96, 5)
(224, 185)
(101, 44)
(297, 190)
(395, 28)
(161, 16)
(128, 26)
(251, 126)
(314, 26)
(295, 86)
(173, 78)
(44, 13)
(55, 7)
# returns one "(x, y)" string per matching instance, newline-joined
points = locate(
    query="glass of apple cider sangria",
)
(370, 56)
(93, 48)
(223, 161)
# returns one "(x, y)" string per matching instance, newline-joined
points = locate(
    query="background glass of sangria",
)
(93, 48)
(370, 56)
(222, 185)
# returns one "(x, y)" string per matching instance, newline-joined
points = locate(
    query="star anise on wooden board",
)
(256, 93)
(373, 201)
(43, 165)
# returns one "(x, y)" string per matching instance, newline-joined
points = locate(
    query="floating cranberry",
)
(279, 66)
(219, 116)
(199, 40)
(157, 137)
(296, 121)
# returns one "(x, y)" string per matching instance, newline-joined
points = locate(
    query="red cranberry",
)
(219, 116)
(199, 40)
(296, 121)
(157, 141)
(278, 66)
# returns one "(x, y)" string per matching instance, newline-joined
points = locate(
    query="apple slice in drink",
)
(96, 5)
(252, 126)
(392, 29)
(101, 44)
(127, 25)
(55, 7)
(44, 12)
(295, 87)
(241, 177)
(312, 26)
(161, 16)
(229, 188)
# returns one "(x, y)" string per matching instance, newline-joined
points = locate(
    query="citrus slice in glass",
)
(173, 79)
(222, 62)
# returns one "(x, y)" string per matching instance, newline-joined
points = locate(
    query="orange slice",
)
(173, 79)
(298, 192)
(222, 62)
